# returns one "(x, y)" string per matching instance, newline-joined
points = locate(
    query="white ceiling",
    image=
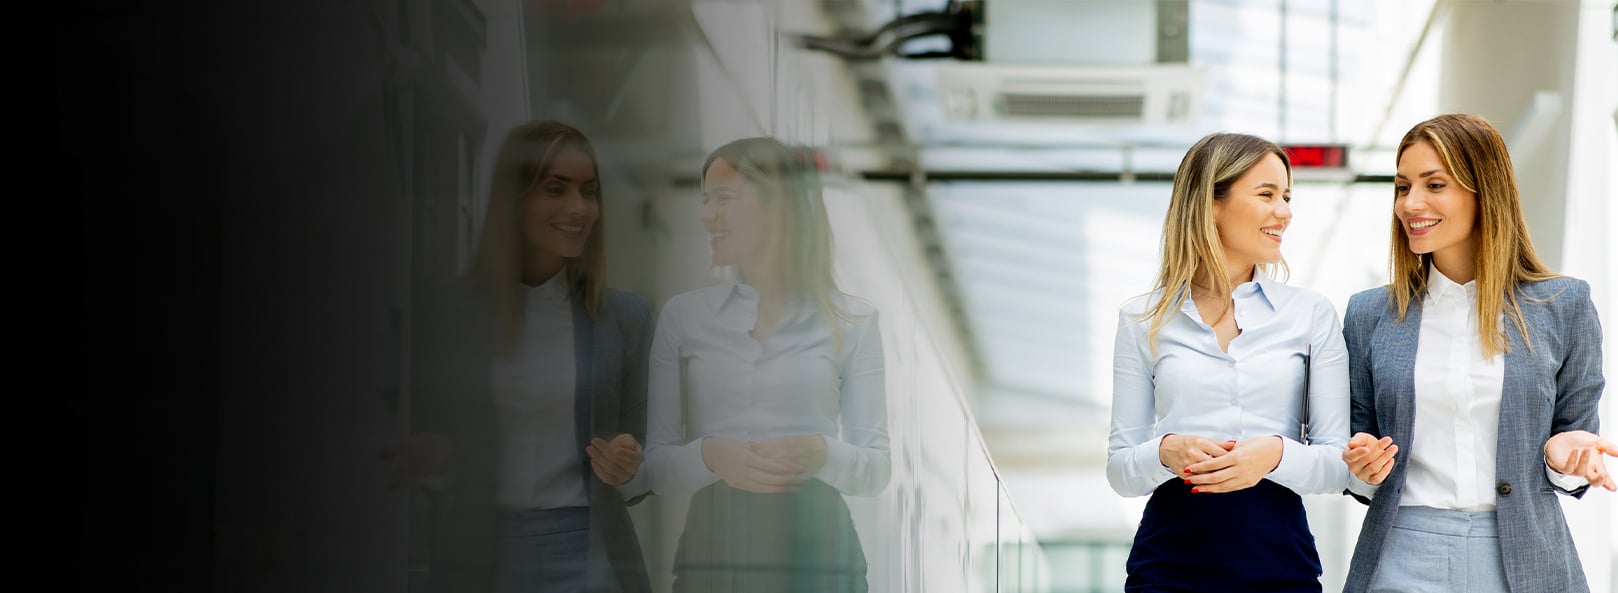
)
(1041, 267)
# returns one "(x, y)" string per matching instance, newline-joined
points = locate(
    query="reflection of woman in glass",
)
(766, 393)
(530, 428)
(1210, 387)
(1476, 380)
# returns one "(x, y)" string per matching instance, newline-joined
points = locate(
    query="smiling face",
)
(1254, 215)
(560, 211)
(1436, 214)
(733, 215)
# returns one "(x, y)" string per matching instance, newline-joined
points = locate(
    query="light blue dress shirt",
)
(1191, 387)
(710, 377)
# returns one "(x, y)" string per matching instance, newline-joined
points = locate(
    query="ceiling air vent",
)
(1131, 107)
(1157, 94)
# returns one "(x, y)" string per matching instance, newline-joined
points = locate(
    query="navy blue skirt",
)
(1256, 539)
(744, 542)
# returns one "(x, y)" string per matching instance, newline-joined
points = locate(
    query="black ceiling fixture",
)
(961, 22)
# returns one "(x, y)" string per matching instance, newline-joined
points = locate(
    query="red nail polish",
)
(1188, 481)
(1188, 470)
(1194, 491)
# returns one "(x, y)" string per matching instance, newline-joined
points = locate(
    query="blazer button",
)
(1504, 488)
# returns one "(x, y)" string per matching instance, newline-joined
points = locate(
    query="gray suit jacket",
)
(455, 399)
(1552, 388)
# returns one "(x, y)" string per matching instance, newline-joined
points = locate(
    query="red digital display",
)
(1317, 156)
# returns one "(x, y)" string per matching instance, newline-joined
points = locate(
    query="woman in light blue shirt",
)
(1230, 389)
(767, 393)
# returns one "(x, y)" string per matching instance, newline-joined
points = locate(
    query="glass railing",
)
(944, 522)
(1086, 565)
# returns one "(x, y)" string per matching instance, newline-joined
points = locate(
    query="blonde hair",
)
(524, 159)
(1475, 155)
(797, 248)
(1191, 246)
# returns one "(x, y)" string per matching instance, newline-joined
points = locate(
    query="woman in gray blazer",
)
(530, 396)
(1474, 378)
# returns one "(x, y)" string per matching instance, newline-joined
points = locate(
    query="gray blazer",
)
(1552, 388)
(455, 399)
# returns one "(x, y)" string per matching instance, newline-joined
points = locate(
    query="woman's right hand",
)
(1180, 451)
(736, 463)
(1369, 458)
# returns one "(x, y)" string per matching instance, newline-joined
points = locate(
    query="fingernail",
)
(1188, 470)
(1188, 481)
(1194, 491)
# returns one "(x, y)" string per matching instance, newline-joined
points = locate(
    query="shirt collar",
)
(1261, 288)
(733, 291)
(1440, 286)
(554, 291)
(1264, 286)
(736, 293)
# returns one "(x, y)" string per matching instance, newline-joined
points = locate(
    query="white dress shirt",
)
(1455, 433)
(539, 465)
(1192, 387)
(710, 377)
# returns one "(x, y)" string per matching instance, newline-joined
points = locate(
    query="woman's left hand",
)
(808, 450)
(1242, 467)
(616, 462)
(1579, 453)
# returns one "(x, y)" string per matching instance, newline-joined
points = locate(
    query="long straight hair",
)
(797, 250)
(1475, 155)
(524, 159)
(1192, 251)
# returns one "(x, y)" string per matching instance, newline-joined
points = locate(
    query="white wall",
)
(1589, 252)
